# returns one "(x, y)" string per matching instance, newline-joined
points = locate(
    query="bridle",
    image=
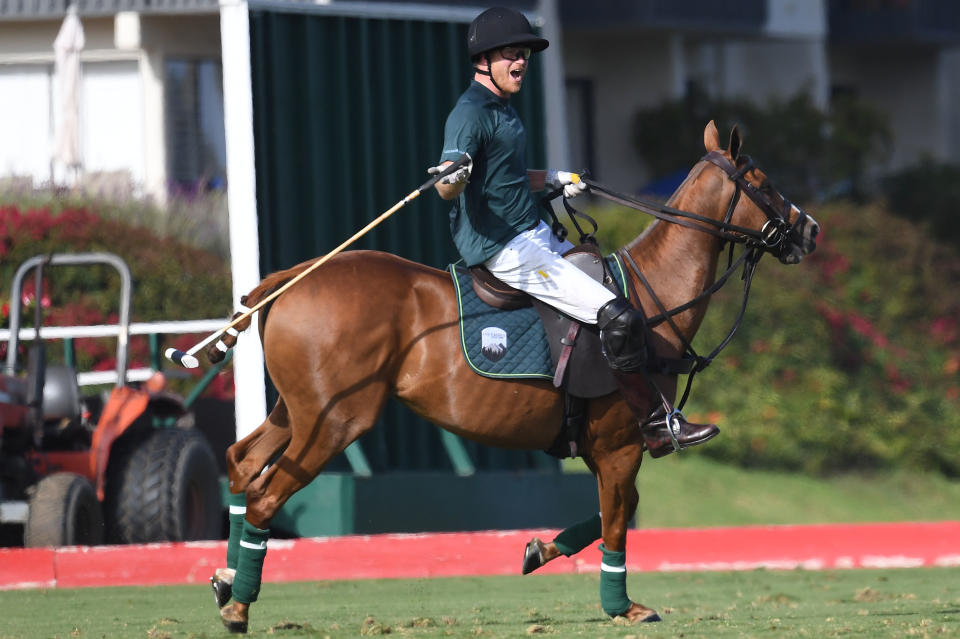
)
(773, 235)
(771, 238)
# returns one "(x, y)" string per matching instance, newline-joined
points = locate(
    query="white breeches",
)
(532, 262)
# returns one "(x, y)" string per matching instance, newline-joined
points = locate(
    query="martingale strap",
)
(559, 230)
(749, 258)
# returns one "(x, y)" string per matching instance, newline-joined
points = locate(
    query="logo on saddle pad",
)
(493, 343)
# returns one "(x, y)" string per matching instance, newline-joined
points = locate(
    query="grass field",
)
(863, 603)
(675, 492)
(691, 490)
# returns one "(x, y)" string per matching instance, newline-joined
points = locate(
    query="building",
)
(154, 116)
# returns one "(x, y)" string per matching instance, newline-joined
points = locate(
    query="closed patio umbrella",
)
(67, 46)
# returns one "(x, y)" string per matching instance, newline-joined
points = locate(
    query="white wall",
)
(26, 130)
(629, 72)
(905, 84)
(762, 69)
(112, 113)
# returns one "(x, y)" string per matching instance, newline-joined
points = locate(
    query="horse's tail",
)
(270, 283)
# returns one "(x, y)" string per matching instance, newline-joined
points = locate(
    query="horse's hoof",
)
(233, 621)
(641, 614)
(222, 590)
(532, 556)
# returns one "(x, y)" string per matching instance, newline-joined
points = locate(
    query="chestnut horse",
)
(370, 325)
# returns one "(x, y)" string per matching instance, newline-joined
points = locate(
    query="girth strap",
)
(568, 343)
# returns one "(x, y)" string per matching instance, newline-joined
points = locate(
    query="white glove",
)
(571, 182)
(460, 176)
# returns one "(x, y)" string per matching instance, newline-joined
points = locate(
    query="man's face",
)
(508, 66)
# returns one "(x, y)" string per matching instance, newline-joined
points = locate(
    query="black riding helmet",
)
(500, 27)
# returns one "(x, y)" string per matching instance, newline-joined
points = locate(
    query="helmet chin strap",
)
(487, 72)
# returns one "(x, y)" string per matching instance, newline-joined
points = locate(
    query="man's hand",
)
(460, 176)
(570, 182)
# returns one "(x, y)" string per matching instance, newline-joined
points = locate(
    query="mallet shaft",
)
(188, 360)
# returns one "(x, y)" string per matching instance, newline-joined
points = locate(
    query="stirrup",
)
(672, 420)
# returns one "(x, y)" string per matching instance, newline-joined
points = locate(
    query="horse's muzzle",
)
(802, 240)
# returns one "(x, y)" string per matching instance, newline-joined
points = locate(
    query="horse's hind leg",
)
(246, 458)
(249, 456)
(319, 433)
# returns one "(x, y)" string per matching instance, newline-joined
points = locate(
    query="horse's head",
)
(782, 227)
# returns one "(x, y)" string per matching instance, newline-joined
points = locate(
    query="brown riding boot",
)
(636, 390)
(623, 337)
(662, 439)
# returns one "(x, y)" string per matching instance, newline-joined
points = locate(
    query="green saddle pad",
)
(505, 344)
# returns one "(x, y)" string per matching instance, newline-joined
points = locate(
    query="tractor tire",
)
(64, 511)
(164, 488)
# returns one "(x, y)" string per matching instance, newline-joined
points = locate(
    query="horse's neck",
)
(678, 262)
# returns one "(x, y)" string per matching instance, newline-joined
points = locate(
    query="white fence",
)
(112, 330)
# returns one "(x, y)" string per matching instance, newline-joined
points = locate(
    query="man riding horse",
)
(329, 396)
(495, 220)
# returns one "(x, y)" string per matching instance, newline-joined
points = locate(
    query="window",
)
(196, 146)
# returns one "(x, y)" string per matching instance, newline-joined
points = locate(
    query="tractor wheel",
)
(64, 511)
(164, 488)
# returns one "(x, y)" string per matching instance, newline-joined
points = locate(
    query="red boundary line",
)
(491, 553)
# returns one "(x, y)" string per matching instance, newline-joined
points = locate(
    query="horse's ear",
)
(711, 137)
(735, 142)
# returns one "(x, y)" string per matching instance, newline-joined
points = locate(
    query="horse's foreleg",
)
(618, 501)
(570, 541)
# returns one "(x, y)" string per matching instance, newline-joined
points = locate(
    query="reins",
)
(769, 239)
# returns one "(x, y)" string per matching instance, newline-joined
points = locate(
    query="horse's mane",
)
(274, 281)
(691, 176)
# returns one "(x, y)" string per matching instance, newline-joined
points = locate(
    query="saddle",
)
(580, 369)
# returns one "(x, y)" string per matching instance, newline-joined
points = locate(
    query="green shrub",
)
(927, 193)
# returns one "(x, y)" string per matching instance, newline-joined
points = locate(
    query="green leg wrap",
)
(613, 582)
(578, 536)
(237, 515)
(253, 550)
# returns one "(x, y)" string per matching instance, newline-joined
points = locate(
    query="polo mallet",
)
(188, 360)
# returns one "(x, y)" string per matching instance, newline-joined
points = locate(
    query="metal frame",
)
(78, 259)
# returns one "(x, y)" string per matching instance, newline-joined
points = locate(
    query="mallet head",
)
(180, 357)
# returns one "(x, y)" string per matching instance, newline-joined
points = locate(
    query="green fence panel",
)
(348, 115)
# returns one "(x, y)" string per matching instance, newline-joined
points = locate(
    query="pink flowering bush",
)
(860, 367)
(172, 280)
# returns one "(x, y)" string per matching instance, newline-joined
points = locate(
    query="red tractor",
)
(120, 466)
